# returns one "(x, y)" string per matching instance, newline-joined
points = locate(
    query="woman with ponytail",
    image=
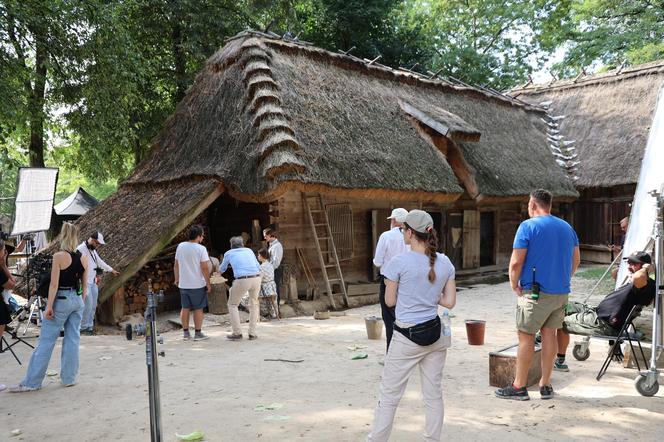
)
(417, 282)
(64, 309)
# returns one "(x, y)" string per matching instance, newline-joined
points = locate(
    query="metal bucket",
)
(374, 326)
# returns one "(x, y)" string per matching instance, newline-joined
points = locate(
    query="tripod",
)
(6, 346)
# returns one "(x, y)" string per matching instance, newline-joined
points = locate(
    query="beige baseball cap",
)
(398, 214)
(419, 220)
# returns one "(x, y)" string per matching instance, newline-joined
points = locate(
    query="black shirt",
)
(615, 308)
(3, 279)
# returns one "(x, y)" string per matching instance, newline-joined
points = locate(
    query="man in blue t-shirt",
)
(545, 255)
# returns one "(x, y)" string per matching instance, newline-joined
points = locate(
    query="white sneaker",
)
(3, 387)
(20, 389)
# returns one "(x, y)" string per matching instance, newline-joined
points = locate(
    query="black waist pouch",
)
(423, 334)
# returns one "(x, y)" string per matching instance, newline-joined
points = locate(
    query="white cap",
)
(99, 237)
(398, 214)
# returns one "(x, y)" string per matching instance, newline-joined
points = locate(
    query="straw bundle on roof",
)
(608, 115)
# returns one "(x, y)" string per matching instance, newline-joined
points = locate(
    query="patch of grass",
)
(592, 273)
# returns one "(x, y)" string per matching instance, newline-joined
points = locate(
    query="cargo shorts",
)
(546, 312)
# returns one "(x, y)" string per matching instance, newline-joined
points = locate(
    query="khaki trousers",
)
(402, 357)
(240, 288)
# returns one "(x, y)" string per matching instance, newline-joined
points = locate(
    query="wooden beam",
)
(111, 285)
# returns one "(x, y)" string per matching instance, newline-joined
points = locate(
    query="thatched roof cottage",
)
(269, 120)
(608, 117)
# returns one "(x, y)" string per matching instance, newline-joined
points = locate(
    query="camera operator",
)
(98, 267)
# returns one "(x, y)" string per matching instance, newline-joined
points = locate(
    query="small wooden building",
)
(269, 121)
(608, 116)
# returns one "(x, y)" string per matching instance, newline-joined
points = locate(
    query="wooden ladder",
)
(327, 251)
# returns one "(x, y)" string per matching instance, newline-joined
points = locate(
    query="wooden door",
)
(471, 239)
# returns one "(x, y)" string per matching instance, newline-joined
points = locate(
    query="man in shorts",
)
(192, 276)
(545, 255)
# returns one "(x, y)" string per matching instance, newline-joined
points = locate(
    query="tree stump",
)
(218, 298)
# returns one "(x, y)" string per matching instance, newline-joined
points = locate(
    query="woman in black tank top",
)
(64, 309)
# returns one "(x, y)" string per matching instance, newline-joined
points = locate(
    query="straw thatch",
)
(266, 116)
(609, 116)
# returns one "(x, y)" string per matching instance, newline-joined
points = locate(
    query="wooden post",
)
(292, 289)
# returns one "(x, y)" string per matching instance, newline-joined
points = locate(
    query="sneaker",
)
(200, 336)
(69, 385)
(3, 387)
(20, 389)
(560, 366)
(511, 392)
(233, 337)
(546, 392)
(538, 338)
(253, 337)
(186, 335)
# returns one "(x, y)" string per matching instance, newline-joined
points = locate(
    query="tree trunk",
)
(179, 60)
(36, 105)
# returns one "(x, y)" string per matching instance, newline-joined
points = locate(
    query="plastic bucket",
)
(475, 331)
(374, 326)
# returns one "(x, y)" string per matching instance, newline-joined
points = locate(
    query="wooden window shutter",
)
(341, 226)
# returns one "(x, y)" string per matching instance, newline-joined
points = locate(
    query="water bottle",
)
(446, 323)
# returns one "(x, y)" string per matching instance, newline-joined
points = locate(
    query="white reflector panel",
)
(34, 199)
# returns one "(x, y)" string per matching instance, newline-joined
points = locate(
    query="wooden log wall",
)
(295, 231)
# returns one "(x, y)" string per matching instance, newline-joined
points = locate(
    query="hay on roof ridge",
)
(609, 119)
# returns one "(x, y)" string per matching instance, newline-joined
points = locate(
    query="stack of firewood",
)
(160, 271)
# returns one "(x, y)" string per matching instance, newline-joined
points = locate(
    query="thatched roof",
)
(266, 115)
(609, 115)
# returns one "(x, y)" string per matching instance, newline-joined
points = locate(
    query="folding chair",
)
(623, 335)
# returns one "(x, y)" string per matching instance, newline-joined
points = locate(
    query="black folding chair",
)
(6, 346)
(624, 335)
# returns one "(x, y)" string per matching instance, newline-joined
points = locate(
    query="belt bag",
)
(423, 334)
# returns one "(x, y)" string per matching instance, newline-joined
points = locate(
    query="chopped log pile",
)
(160, 271)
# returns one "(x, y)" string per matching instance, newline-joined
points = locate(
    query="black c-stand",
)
(149, 329)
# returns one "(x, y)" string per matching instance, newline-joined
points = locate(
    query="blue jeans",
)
(67, 314)
(88, 321)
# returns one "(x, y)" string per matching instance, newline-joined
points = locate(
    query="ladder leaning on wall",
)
(327, 251)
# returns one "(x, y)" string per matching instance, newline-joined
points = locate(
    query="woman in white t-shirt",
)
(417, 282)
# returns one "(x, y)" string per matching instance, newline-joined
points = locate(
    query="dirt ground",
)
(216, 386)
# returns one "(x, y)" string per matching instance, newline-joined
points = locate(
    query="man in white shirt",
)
(276, 251)
(192, 276)
(89, 248)
(390, 244)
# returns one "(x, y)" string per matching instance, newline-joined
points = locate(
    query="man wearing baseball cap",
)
(89, 248)
(609, 316)
(390, 244)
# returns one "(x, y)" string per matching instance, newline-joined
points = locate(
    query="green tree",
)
(612, 32)
(486, 42)
(39, 42)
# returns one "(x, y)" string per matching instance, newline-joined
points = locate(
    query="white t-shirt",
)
(417, 298)
(189, 256)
